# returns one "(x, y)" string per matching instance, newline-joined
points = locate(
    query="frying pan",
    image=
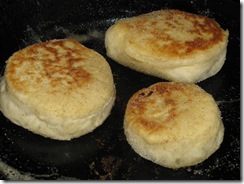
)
(105, 154)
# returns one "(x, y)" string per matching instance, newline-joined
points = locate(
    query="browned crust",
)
(168, 20)
(175, 95)
(53, 63)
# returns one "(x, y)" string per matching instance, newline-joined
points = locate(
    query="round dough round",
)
(169, 44)
(173, 124)
(59, 89)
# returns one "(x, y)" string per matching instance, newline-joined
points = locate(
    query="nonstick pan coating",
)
(105, 154)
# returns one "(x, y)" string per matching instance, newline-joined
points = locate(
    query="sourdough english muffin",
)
(170, 44)
(59, 89)
(173, 124)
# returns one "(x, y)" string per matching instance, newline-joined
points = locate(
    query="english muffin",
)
(59, 89)
(169, 44)
(173, 124)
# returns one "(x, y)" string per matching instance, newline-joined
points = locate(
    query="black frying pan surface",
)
(105, 154)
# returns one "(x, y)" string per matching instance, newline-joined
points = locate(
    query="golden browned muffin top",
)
(168, 111)
(54, 65)
(173, 33)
